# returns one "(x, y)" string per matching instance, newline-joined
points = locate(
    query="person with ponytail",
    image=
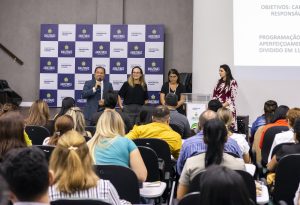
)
(215, 136)
(74, 176)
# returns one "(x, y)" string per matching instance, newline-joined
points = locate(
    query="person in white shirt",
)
(287, 136)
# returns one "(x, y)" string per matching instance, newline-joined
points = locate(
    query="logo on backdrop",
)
(66, 49)
(136, 49)
(118, 32)
(84, 32)
(66, 81)
(49, 96)
(80, 102)
(83, 65)
(153, 97)
(118, 66)
(101, 49)
(154, 66)
(48, 65)
(49, 32)
(154, 33)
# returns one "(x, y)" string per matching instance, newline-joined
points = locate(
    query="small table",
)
(153, 189)
(264, 198)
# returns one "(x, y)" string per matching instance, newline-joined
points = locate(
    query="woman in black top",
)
(134, 94)
(173, 86)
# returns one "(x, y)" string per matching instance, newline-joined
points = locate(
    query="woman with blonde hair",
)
(79, 121)
(226, 116)
(62, 125)
(109, 147)
(74, 176)
(134, 93)
(39, 115)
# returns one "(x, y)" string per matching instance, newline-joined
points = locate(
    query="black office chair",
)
(268, 141)
(47, 149)
(37, 134)
(124, 180)
(177, 129)
(91, 129)
(78, 202)
(287, 178)
(278, 147)
(151, 162)
(191, 198)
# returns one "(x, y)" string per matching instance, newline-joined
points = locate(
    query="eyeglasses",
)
(136, 72)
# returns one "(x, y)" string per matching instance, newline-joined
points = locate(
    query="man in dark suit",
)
(94, 91)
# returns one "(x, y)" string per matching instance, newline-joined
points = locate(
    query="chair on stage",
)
(37, 134)
(124, 180)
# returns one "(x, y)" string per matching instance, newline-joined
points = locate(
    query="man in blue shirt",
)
(195, 145)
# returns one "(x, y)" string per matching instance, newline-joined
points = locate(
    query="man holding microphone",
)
(94, 91)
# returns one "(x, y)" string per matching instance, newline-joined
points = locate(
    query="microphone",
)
(99, 79)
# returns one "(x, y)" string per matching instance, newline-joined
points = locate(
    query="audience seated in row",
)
(39, 115)
(159, 128)
(176, 118)
(73, 173)
(66, 104)
(109, 146)
(215, 136)
(110, 102)
(225, 115)
(196, 144)
(11, 132)
(62, 124)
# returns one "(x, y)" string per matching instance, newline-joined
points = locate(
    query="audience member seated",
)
(287, 136)
(109, 147)
(225, 115)
(269, 109)
(74, 176)
(39, 115)
(79, 121)
(196, 145)
(215, 136)
(26, 172)
(177, 118)
(62, 124)
(214, 105)
(110, 102)
(279, 119)
(159, 128)
(220, 185)
(66, 104)
(11, 132)
(287, 149)
(8, 107)
(145, 115)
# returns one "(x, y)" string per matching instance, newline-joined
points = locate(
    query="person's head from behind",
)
(204, 117)
(38, 113)
(296, 128)
(222, 186)
(225, 115)
(110, 100)
(171, 100)
(145, 115)
(62, 125)
(215, 136)
(72, 164)
(7, 107)
(214, 105)
(78, 119)
(269, 109)
(66, 104)
(109, 125)
(26, 172)
(292, 115)
(173, 76)
(280, 113)
(11, 132)
(161, 114)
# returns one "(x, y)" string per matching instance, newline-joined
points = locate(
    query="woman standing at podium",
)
(226, 90)
(173, 86)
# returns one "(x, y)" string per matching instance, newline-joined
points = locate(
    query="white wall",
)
(213, 46)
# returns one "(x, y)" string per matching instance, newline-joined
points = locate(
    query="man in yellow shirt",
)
(159, 128)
